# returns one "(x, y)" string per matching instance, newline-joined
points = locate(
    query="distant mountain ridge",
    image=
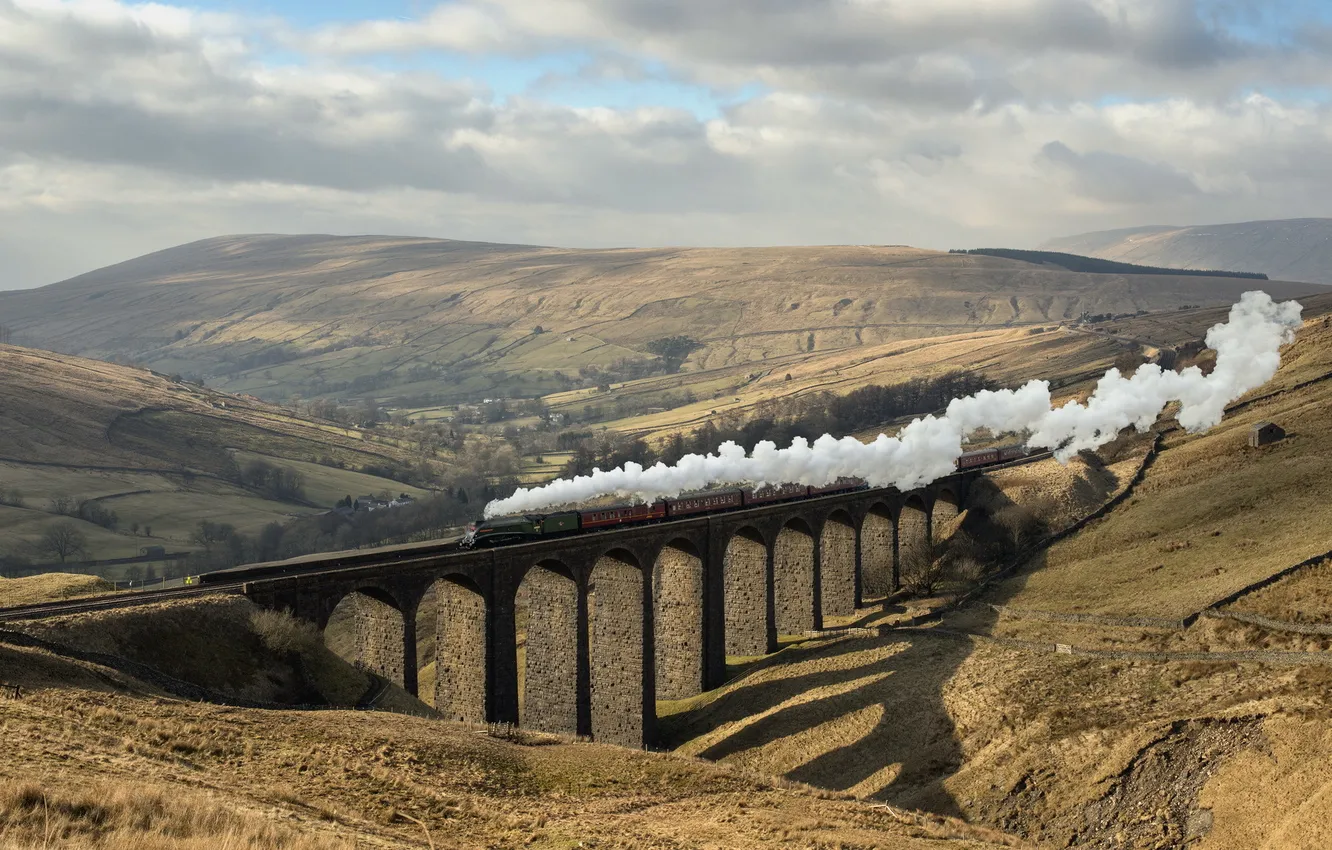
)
(416, 322)
(1296, 249)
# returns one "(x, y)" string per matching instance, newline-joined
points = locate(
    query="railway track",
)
(106, 603)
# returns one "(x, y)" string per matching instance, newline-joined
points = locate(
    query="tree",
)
(62, 541)
(208, 534)
(62, 504)
(673, 350)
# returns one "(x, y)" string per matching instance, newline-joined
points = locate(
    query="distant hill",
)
(1297, 249)
(134, 459)
(1096, 265)
(416, 322)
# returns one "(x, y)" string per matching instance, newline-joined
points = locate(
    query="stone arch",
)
(877, 554)
(615, 648)
(451, 643)
(913, 531)
(745, 589)
(677, 606)
(366, 627)
(837, 565)
(793, 578)
(943, 514)
(546, 624)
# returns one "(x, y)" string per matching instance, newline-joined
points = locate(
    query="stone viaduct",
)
(584, 634)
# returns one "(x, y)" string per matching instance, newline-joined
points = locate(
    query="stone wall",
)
(615, 651)
(745, 577)
(912, 529)
(876, 554)
(677, 613)
(837, 568)
(460, 653)
(380, 645)
(793, 581)
(550, 680)
(944, 516)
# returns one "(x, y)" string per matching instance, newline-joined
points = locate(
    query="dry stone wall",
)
(550, 680)
(745, 578)
(677, 613)
(793, 581)
(837, 568)
(460, 653)
(615, 649)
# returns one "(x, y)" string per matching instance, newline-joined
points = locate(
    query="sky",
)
(127, 128)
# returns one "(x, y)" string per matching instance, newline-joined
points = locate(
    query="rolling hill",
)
(1158, 678)
(1289, 249)
(428, 321)
(161, 454)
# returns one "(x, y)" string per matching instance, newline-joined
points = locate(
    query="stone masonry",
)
(615, 646)
(912, 529)
(460, 653)
(582, 634)
(876, 553)
(677, 611)
(745, 569)
(379, 637)
(837, 567)
(550, 690)
(793, 580)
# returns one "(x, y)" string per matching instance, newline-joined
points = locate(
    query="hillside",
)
(1289, 249)
(161, 454)
(422, 321)
(101, 758)
(1159, 678)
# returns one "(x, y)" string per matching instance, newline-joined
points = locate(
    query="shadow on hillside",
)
(888, 713)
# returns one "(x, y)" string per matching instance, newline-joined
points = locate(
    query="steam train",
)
(531, 527)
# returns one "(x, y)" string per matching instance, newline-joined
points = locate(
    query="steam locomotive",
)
(531, 527)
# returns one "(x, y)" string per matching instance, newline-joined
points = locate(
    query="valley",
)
(1130, 644)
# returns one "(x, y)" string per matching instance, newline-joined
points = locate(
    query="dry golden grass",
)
(368, 779)
(1023, 740)
(1212, 515)
(131, 815)
(1156, 750)
(49, 587)
(1304, 596)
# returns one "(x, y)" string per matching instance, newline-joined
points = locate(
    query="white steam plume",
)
(1247, 355)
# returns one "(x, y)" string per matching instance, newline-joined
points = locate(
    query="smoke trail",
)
(1247, 355)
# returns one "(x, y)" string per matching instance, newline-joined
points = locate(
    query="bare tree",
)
(922, 570)
(63, 541)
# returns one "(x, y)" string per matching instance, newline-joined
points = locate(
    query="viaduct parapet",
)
(584, 634)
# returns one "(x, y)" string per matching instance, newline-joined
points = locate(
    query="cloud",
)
(1116, 178)
(127, 128)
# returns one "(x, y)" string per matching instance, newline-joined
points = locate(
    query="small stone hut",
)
(1265, 433)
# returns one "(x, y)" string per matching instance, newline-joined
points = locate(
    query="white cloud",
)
(129, 128)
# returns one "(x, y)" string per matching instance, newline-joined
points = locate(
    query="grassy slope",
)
(369, 779)
(1055, 746)
(471, 309)
(156, 452)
